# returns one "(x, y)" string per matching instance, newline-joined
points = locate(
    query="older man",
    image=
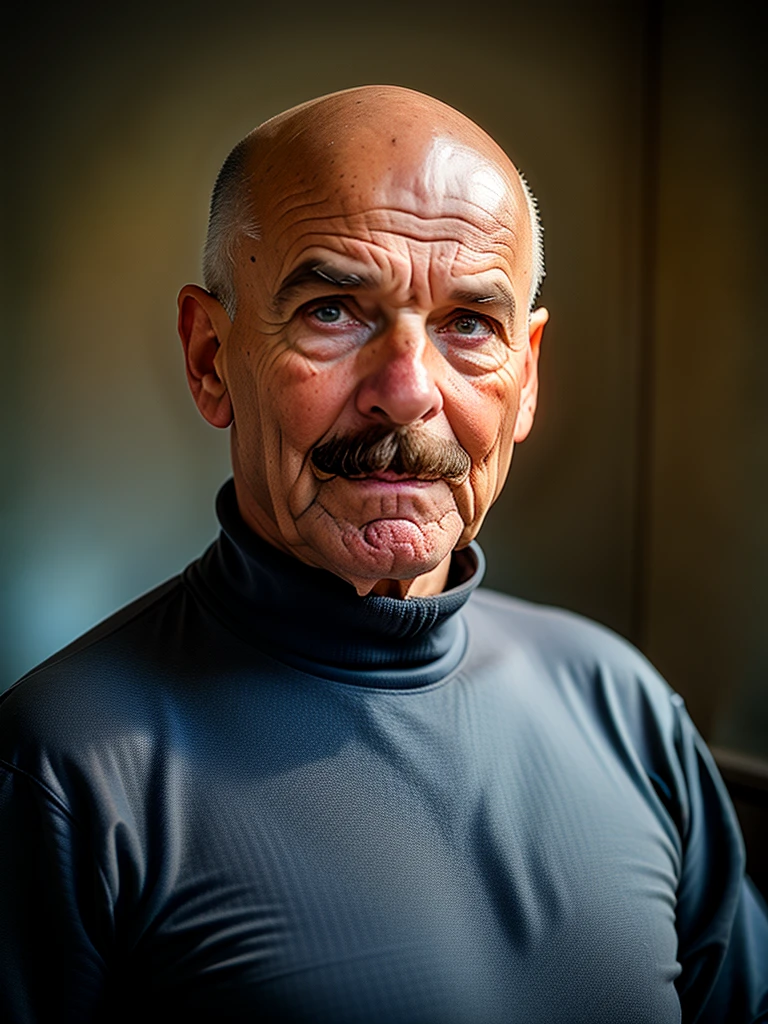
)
(321, 776)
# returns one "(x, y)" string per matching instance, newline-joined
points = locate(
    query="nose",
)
(399, 383)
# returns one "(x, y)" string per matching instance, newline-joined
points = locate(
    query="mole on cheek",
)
(253, 259)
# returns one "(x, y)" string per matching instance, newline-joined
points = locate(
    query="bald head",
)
(359, 145)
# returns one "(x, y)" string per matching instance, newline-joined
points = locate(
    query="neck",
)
(314, 620)
(426, 585)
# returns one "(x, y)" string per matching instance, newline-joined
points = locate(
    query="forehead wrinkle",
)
(477, 225)
(480, 246)
(282, 214)
(503, 224)
(390, 214)
(297, 193)
(350, 228)
(391, 260)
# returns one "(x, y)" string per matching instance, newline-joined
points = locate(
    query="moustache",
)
(409, 451)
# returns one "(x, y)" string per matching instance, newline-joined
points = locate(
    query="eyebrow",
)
(314, 272)
(499, 297)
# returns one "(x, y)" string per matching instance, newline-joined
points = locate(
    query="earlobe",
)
(203, 328)
(530, 390)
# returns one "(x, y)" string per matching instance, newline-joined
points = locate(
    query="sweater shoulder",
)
(96, 681)
(589, 675)
(566, 644)
(135, 614)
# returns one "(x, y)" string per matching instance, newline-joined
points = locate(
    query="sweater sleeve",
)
(722, 922)
(51, 900)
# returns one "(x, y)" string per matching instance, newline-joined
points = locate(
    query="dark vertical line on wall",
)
(646, 364)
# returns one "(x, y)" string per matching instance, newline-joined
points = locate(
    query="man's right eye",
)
(329, 314)
(328, 329)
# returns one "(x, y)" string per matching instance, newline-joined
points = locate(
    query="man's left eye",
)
(468, 326)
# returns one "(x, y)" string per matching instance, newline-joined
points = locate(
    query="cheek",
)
(484, 424)
(483, 412)
(304, 402)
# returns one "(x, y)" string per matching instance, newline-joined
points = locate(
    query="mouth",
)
(389, 476)
(388, 480)
(386, 477)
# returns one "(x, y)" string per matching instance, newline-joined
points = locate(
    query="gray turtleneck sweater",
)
(254, 796)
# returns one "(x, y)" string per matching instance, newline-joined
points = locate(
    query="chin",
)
(397, 549)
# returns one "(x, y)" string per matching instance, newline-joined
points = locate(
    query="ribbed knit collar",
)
(315, 621)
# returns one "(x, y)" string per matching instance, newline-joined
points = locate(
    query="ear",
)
(203, 328)
(530, 389)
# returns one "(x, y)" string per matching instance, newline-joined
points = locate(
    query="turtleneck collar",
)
(315, 621)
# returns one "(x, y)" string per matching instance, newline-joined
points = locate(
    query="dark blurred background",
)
(641, 498)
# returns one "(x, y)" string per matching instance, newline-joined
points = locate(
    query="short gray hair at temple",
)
(231, 218)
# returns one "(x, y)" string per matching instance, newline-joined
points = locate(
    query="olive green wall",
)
(707, 505)
(640, 498)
